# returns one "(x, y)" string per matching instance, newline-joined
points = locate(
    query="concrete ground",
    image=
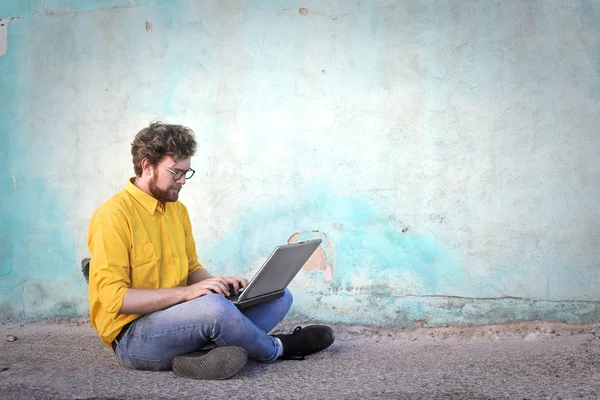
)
(537, 360)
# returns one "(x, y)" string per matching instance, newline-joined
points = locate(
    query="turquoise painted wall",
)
(446, 151)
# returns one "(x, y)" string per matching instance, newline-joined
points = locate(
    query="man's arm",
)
(200, 283)
(145, 301)
(198, 275)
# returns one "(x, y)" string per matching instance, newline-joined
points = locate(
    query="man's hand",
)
(236, 283)
(218, 285)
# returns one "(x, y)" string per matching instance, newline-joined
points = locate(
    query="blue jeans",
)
(153, 340)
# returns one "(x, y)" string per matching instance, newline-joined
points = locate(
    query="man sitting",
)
(151, 301)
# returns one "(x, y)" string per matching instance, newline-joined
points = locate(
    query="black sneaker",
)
(305, 341)
(218, 363)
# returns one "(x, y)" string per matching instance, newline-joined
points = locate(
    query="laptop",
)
(276, 273)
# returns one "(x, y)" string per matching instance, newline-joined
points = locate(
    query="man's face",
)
(162, 185)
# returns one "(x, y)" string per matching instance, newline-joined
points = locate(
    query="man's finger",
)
(217, 287)
(235, 285)
(222, 284)
(224, 288)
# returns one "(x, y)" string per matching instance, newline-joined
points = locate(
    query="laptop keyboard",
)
(233, 297)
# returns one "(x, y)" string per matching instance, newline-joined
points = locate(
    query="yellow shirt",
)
(135, 243)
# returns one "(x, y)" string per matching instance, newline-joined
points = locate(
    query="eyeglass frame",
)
(175, 173)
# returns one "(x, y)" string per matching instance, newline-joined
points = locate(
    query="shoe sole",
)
(219, 363)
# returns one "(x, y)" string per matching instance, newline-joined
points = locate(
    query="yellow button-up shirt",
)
(135, 242)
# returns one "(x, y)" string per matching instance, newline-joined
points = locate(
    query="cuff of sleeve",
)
(113, 302)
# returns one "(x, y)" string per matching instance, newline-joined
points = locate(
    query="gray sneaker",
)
(218, 363)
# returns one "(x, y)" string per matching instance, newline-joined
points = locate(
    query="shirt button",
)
(164, 239)
(171, 261)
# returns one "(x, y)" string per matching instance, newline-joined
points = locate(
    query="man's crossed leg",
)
(168, 338)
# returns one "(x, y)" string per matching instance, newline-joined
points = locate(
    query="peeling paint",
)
(4, 35)
(321, 260)
(148, 26)
(303, 11)
(295, 238)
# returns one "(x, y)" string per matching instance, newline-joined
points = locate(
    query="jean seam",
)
(145, 359)
(162, 333)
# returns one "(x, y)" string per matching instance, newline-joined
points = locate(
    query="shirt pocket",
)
(144, 268)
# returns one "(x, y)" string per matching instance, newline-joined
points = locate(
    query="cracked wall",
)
(445, 152)
(3, 35)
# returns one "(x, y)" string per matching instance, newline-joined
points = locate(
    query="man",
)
(151, 301)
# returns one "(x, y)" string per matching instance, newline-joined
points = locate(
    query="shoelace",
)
(297, 357)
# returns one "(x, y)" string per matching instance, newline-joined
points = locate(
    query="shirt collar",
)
(147, 201)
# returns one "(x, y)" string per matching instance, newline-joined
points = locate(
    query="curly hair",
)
(159, 140)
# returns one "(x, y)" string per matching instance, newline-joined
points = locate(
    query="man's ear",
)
(146, 166)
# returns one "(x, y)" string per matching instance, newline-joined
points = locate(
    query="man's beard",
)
(162, 195)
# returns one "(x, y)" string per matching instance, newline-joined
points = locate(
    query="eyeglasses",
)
(177, 175)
